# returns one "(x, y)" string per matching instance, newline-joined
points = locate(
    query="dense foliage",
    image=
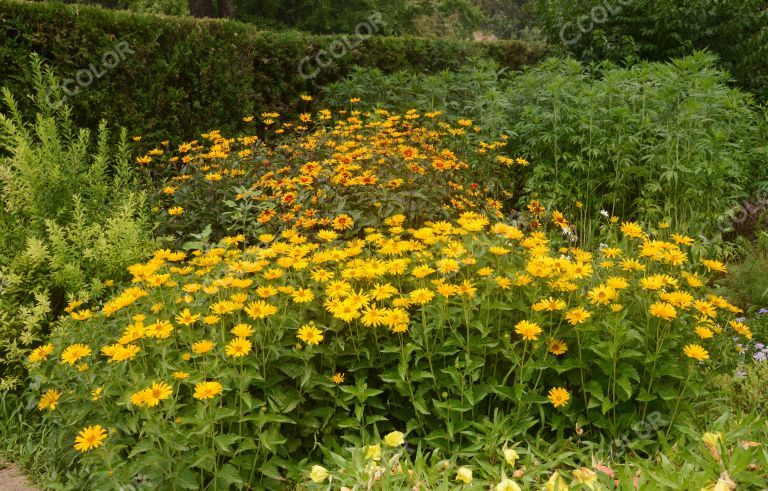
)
(658, 142)
(663, 29)
(181, 76)
(71, 221)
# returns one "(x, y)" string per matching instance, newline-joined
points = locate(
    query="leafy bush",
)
(655, 142)
(228, 68)
(323, 335)
(71, 221)
(663, 29)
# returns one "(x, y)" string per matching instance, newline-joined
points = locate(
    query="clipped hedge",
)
(184, 75)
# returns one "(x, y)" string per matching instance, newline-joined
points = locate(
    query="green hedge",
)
(187, 75)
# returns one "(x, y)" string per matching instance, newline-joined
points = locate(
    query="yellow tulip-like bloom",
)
(91, 437)
(318, 474)
(464, 475)
(507, 485)
(394, 439)
(556, 483)
(373, 452)
(511, 456)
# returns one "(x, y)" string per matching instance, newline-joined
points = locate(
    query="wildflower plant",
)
(258, 351)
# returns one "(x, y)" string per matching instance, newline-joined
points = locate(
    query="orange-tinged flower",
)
(558, 396)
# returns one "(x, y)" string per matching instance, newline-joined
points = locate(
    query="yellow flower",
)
(238, 347)
(713, 265)
(394, 439)
(511, 456)
(90, 437)
(318, 474)
(40, 353)
(507, 485)
(585, 476)
(703, 332)
(82, 315)
(577, 316)
(202, 347)
(556, 483)
(373, 452)
(557, 346)
(207, 390)
(180, 375)
(343, 222)
(156, 393)
(260, 309)
(74, 352)
(49, 400)
(632, 229)
(464, 475)
(175, 211)
(602, 295)
(663, 310)
(338, 378)
(310, 334)
(558, 396)
(696, 352)
(528, 330)
(242, 330)
(302, 295)
(187, 318)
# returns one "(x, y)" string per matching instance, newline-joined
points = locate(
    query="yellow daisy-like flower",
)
(558, 396)
(49, 400)
(156, 393)
(302, 295)
(75, 352)
(202, 347)
(663, 310)
(557, 346)
(90, 437)
(528, 330)
(260, 309)
(577, 315)
(187, 318)
(207, 390)
(238, 347)
(40, 353)
(242, 330)
(310, 334)
(338, 378)
(696, 352)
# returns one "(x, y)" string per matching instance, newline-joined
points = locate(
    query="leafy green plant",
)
(71, 220)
